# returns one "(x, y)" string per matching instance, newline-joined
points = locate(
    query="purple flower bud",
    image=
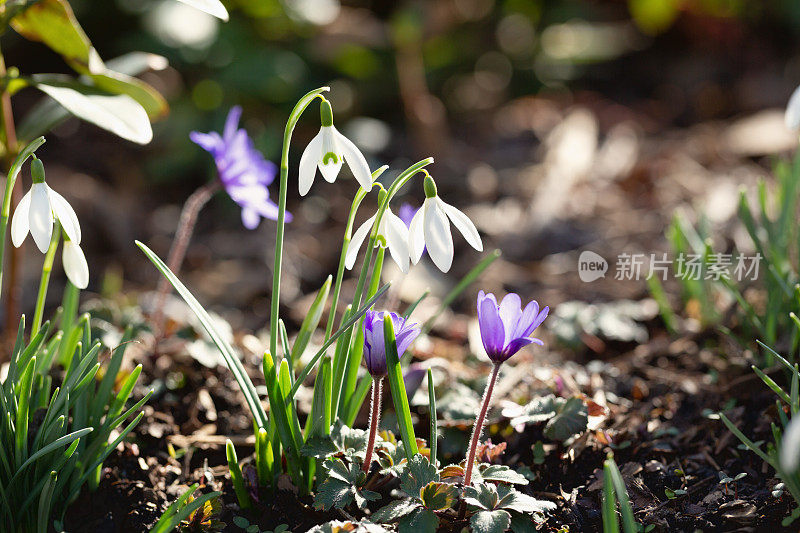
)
(243, 171)
(506, 328)
(374, 346)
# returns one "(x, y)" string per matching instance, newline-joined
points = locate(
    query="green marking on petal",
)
(330, 155)
(380, 240)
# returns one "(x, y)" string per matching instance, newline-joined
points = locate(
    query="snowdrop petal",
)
(396, 234)
(75, 265)
(308, 163)
(66, 215)
(40, 216)
(19, 222)
(790, 447)
(330, 171)
(356, 161)
(437, 236)
(792, 116)
(416, 235)
(330, 160)
(463, 223)
(356, 241)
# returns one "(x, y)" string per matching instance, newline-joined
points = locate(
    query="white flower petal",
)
(790, 447)
(19, 222)
(356, 161)
(330, 145)
(75, 264)
(40, 216)
(356, 241)
(437, 236)
(463, 223)
(416, 236)
(308, 163)
(396, 234)
(792, 116)
(66, 215)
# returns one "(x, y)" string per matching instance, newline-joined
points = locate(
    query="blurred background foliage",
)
(447, 78)
(424, 69)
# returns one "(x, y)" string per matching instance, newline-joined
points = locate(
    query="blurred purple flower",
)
(374, 347)
(506, 328)
(243, 171)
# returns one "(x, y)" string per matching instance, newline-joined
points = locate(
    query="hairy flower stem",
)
(374, 419)
(177, 252)
(478, 428)
(47, 267)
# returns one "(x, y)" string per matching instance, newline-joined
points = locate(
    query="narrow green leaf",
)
(236, 476)
(433, 441)
(311, 320)
(233, 362)
(398, 390)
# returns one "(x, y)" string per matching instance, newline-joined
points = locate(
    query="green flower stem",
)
(47, 267)
(374, 419)
(478, 429)
(294, 116)
(348, 234)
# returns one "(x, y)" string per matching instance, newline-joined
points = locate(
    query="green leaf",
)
(241, 521)
(503, 474)
(53, 23)
(212, 7)
(319, 446)
(394, 511)
(490, 521)
(311, 321)
(342, 487)
(398, 390)
(483, 496)
(420, 521)
(438, 496)
(118, 113)
(417, 474)
(233, 362)
(571, 419)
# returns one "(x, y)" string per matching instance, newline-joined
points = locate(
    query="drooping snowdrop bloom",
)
(243, 170)
(392, 233)
(374, 342)
(327, 151)
(75, 265)
(37, 210)
(430, 229)
(506, 327)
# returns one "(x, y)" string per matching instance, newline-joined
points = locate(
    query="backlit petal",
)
(75, 264)
(356, 161)
(510, 313)
(330, 165)
(19, 222)
(525, 324)
(66, 215)
(396, 234)
(463, 223)
(416, 236)
(308, 164)
(40, 216)
(492, 332)
(437, 236)
(356, 241)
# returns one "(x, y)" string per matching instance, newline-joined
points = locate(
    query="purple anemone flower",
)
(374, 347)
(243, 171)
(506, 328)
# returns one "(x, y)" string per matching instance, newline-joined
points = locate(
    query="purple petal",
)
(250, 218)
(516, 345)
(232, 122)
(492, 331)
(210, 142)
(524, 326)
(510, 312)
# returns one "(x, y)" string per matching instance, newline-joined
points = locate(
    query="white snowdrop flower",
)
(327, 151)
(790, 447)
(792, 116)
(392, 233)
(37, 210)
(430, 228)
(75, 265)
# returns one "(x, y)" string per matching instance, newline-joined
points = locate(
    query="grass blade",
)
(311, 320)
